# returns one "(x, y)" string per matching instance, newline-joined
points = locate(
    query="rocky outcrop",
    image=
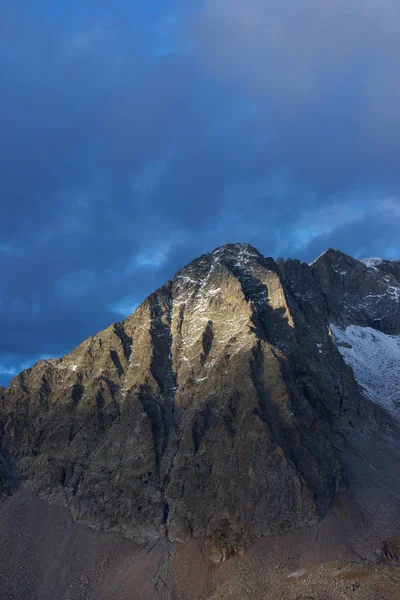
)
(391, 550)
(210, 412)
(360, 293)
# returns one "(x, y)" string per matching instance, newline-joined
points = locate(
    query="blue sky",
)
(136, 136)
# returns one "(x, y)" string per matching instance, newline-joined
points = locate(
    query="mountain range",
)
(236, 406)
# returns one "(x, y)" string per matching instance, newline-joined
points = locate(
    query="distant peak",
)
(333, 256)
(329, 254)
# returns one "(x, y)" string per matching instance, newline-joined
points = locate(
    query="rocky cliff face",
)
(364, 293)
(211, 411)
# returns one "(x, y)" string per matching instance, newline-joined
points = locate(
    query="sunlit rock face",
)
(210, 411)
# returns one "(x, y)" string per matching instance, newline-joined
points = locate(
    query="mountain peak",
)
(233, 256)
(331, 254)
(166, 424)
(236, 249)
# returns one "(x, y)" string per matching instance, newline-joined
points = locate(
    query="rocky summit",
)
(216, 411)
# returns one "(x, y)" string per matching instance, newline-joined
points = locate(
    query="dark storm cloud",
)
(328, 76)
(134, 138)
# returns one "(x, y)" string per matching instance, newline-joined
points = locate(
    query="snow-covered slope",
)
(375, 359)
(371, 262)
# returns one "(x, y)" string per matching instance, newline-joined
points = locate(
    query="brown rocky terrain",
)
(219, 414)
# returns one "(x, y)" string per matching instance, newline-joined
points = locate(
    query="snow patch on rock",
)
(375, 359)
(371, 262)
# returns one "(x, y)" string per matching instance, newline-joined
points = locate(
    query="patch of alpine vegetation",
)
(375, 359)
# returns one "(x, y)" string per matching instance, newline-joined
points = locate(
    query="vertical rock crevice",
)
(126, 340)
